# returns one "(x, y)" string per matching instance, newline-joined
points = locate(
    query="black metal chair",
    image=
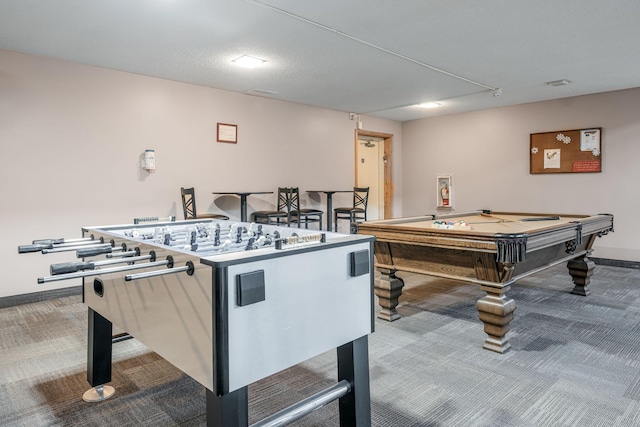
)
(304, 216)
(357, 212)
(189, 206)
(282, 214)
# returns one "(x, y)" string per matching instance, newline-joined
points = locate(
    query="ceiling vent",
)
(260, 92)
(562, 82)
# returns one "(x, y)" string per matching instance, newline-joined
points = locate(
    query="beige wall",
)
(487, 153)
(71, 136)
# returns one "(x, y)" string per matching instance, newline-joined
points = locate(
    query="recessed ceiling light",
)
(558, 82)
(248, 61)
(429, 104)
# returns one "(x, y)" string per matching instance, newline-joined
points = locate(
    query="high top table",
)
(329, 194)
(243, 200)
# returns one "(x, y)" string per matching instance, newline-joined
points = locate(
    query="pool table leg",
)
(496, 312)
(388, 289)
(581, 270)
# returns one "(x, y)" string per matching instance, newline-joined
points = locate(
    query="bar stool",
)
(304, 216)
(189, 206)
(357, 212)
(282, 214)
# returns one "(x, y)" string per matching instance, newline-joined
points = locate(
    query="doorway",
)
(373, 170)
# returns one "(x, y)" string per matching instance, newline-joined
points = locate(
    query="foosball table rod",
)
(306, 406)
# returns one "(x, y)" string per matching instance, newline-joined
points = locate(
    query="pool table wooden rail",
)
(488, 257)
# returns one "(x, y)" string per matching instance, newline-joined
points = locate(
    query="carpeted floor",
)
(575, 361)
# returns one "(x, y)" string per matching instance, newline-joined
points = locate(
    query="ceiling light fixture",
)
(248, 61)
(562, 82)
(429, 105)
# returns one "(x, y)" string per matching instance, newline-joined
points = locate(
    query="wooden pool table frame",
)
(494, 260)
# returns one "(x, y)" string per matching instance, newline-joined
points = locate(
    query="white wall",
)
(71, 136)
(487, 153)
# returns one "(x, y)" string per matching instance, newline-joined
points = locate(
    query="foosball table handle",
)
(188, 268)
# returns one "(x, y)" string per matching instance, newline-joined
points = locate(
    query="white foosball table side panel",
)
(312, 305)
(172, 314)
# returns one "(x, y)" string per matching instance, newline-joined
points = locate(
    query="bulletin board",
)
(566, 151)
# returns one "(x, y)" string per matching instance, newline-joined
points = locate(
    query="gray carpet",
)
(575, 361)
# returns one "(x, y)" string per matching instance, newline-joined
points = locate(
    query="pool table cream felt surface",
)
(496, 222)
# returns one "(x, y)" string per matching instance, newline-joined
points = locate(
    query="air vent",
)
(562, 82)
(260, 92)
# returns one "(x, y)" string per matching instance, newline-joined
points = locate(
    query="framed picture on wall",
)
(227, 133)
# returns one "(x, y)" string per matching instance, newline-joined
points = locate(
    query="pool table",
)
(492, 249)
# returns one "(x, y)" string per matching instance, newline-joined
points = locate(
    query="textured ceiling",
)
(377, 57)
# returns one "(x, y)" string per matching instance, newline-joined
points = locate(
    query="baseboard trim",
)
(39, 296)
(616, 263)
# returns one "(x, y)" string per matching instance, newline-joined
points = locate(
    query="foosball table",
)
(228, 304)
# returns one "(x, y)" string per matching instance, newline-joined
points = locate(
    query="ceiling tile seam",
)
(382, 49)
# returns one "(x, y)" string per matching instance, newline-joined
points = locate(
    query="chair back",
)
(360, 197)
(294, 203)
(188, 202)
(289, 202)
(288, 199)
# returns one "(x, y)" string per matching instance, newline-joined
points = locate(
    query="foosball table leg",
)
(99, 351)
(229, 410)
(353, 366)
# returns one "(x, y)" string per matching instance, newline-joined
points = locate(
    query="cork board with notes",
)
(566, 151)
